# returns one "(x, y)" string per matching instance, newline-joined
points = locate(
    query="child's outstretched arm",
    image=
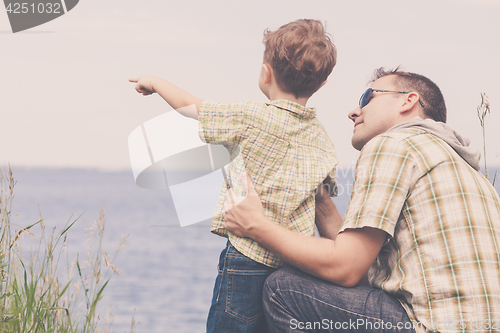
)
(175, 97)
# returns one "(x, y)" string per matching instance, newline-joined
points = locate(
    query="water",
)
(167, 272)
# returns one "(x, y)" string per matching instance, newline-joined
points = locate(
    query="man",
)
(422, 222)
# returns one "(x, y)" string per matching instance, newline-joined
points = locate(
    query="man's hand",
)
(145, 84)
(243, 214)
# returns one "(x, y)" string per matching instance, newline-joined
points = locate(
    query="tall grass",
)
(34, 296)
(482, 111)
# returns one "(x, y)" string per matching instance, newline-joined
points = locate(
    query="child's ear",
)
(267, 73)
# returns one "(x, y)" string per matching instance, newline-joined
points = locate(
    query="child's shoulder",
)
(250, 104)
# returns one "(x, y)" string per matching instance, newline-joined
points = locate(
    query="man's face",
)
(380, 114)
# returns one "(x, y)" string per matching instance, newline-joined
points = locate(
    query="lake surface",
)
(167, 272)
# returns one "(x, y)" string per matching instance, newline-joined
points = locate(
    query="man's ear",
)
(410, 104)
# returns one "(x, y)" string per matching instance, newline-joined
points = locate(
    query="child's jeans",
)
(237, 299)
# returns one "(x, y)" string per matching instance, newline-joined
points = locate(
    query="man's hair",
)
(301, 54)
(430, 94)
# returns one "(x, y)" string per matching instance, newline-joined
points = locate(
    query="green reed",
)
(34, 295)
(482, 111)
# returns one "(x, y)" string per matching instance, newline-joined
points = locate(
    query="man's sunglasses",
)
(368, 95)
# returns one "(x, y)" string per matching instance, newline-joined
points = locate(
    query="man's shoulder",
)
(424, 148)
(403, 137)
(392, 140)
(406, 143)
(403, 134)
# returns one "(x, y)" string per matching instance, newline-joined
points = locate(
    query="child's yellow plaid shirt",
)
(287, 153)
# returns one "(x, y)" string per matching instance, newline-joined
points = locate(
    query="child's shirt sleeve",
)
(221, 123)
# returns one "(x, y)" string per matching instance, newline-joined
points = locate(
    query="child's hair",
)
(301, 54)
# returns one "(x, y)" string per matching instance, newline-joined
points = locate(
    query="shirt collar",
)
(296, 108)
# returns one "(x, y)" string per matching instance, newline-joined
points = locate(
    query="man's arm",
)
(329, 221)
(176, 97)
(342, 261)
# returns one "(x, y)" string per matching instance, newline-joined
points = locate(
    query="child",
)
(280, 145)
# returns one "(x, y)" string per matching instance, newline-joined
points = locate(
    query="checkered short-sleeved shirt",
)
(442, 258)
(287, 153)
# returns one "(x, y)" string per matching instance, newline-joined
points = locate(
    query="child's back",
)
(285, 151)
(287, 154)
(281, 144)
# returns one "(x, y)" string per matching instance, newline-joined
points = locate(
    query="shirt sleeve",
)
(382, 182)
(221, 123)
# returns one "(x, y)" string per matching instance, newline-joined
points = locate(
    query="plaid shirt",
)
(442, 257)
(286, 152)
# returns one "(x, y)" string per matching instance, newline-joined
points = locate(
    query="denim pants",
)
(295, 301)
(237, 299)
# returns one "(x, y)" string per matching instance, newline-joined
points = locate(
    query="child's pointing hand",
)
(145, 84)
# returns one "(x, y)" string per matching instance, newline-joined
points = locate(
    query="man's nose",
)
(354, 113)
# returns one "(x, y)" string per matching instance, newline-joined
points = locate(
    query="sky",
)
(65, 99)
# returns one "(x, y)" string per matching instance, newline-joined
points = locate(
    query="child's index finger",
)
(133, 80)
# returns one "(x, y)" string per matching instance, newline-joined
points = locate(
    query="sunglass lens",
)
(365, 98)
